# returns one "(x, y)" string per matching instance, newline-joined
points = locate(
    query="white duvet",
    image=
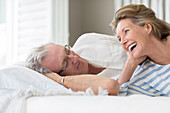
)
(17, 83)
(19, 86)
(103, 51)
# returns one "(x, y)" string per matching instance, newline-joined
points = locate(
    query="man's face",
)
(58, 59)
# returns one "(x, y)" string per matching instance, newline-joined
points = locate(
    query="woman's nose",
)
(123, 41)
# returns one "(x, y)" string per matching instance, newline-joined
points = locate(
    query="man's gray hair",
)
(34, 59)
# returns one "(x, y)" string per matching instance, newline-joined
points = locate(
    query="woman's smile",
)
(132, 46)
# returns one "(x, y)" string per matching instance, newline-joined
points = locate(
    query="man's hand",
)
(81, 83)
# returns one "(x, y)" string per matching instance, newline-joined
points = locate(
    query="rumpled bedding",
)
(103, 51)
(18, 83)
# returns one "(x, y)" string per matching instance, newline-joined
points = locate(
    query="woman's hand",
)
(129, 68)
(137, 61)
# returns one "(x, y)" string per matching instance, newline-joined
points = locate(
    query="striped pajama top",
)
(149, 79)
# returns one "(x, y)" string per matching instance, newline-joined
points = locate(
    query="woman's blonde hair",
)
(140, 15)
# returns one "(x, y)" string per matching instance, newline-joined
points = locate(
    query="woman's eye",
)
(126, 31)
(119, 39)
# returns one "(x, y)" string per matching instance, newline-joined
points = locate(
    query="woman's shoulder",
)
(149, 64)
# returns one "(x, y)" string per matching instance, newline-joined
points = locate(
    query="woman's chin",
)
(136, 56)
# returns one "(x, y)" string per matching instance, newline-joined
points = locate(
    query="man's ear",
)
(148, 27)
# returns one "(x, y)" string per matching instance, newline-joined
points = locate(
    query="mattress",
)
(98, 104)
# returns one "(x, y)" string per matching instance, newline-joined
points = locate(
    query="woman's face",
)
(55, 57)
(133, 38)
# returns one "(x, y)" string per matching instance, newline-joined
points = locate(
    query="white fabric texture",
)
(17, 83)
(18, 77)
(103, 51)
(98, 104)
(14, 101)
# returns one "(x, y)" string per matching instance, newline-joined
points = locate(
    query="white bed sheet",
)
(103, 51)
(98, 104)
(24, 89)
(17, 83)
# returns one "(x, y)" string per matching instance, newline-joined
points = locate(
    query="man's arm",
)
(82, 82)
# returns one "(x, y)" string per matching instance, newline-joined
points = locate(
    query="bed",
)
(51, 97)
(98, 104)
(23, 90)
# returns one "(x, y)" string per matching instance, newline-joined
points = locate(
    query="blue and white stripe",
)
(148, 79)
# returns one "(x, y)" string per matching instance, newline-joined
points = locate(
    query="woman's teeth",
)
(132, 46)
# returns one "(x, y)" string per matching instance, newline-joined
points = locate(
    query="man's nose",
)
(72, 56)
(73, 59)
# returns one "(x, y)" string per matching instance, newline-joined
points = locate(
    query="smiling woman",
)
(126, 37)
(145, 37)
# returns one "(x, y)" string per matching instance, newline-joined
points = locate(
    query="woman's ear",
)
(148, 28)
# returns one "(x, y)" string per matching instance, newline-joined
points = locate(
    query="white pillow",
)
(101, 50)
(19, 77)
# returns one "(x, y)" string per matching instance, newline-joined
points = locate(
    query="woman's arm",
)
(82, 82)
(129, 68)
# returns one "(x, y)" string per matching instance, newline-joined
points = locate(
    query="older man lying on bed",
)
(100, 55)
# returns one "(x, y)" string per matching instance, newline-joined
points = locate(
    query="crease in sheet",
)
(14, 101)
